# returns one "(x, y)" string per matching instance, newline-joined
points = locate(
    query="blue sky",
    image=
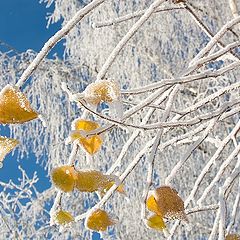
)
(23, 25)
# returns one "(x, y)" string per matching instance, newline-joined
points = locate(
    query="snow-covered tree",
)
(147, 99)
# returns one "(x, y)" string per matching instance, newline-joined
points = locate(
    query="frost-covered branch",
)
(127, 37)
(215, 39)
(131, 16)
(55, 38)
(183, 80)
(189, 152)
(234, 8)
(154, 149)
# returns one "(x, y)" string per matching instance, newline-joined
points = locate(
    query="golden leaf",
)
(64, 178)
(86, 125)
(99, 221)
(152, 205)
(91, 181)
(156, 222)
(232, 237)
(104, 90)
(6, 146)
(63, 217)
(15, 107)
(91, 144)
(120, 188)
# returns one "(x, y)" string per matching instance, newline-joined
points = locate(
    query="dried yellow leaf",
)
(170, 204)
(6, 146)
(15, 107)
(63, 217)
(91, 144)
(102, 91)
(156, 222)
(99, 221)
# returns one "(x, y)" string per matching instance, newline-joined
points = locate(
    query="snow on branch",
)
(55, 38)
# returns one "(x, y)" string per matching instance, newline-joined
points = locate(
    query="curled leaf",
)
(6, 146)
(156, 222)
(91, 144)
(15, 107)
(63, 217)
(99, 221)
(102, 91)
(64, 177)
(92, 180)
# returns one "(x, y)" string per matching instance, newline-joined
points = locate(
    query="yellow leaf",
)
(6, 146)
(232, 237)
(99, 221)
(64, 178)
(120, 188)
(63, 217)
(104, 90)
(91, 181)
(86, 125)
(156, 222)
(152, 205)
(170, 204)
(91, 144)
(15, 107)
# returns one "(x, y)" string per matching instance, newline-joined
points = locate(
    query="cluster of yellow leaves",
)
(91, 144)
(165, 203)
(99, 220)
(16, 109)
(66, 178)
(102, 91)
(232, 237)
